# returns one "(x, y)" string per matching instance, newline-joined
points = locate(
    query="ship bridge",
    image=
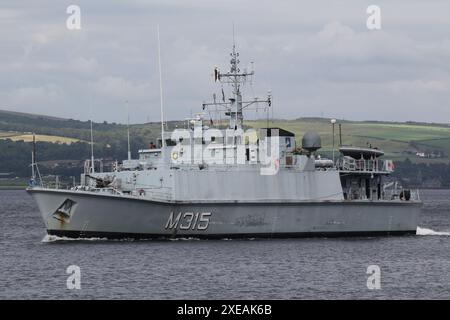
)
(358, 160)
(364, 175)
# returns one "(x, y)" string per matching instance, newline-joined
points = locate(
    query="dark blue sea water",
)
(33, 266)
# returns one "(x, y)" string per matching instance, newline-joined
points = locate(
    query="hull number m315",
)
(188, 221)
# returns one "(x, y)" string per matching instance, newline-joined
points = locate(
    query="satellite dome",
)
(311, 141)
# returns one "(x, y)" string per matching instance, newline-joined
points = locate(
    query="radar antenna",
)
(235, 105)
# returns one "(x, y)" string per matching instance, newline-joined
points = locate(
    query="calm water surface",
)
(33, 266)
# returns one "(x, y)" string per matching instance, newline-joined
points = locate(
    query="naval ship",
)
(208, 181)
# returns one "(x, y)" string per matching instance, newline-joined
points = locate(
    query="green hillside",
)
(398, 140)
(13, 124)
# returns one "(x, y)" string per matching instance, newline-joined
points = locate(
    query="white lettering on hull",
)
(188, 221)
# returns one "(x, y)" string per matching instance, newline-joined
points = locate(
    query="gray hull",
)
(83, 214)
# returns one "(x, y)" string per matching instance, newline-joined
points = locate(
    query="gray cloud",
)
(317, 58)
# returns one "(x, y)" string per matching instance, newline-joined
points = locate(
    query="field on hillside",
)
(398, 141)
(27, 137)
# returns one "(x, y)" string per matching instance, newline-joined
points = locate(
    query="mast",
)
(34, 167)
(161, 95)
(235, 78)
(128, 130)
(236, 117)
(33, 158)
(333, 122)
(236, 90)
(92, 150)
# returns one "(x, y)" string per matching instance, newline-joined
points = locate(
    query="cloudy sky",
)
(317, 57)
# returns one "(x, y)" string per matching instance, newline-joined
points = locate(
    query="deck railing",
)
(401, 194)
(365, 165)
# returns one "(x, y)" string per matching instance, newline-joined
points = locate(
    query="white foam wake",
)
(50, 238)
(184, 239)
(428, 232)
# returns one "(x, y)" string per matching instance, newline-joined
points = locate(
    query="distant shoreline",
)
(13, 187)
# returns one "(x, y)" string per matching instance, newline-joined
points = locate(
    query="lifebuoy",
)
(174, 155)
